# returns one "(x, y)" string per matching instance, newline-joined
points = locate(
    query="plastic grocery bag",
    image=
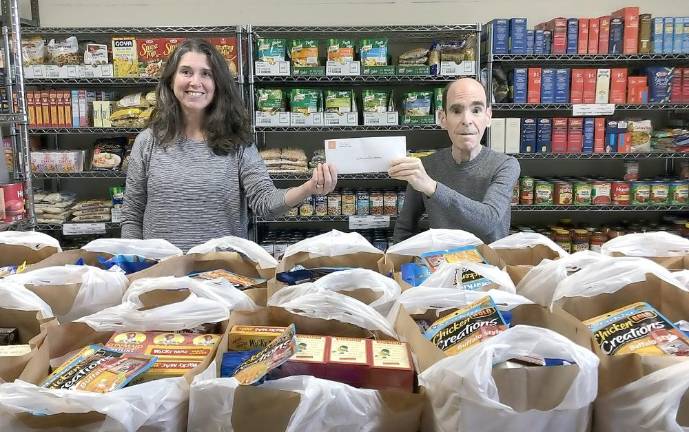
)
(237, 244)
(15, 296)
(650, 403)
(74, 291)
(447, 275)
(206, 303)
(683, 277)
(527, 249)
(651, 244)
(419, 300)
(465, 396)
(432, 240)
(18, 247)
(322, 406)
(156, 249)
(540, 282)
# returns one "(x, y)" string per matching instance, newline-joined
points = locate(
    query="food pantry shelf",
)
(395, 128)
(84, 130)
(598, 208)
(586, 58)
(125, 30)
(669, 155)
(83, 174)
(58, 227)
(94, 81)
(507, 107)
(356, 78)
(328, 30)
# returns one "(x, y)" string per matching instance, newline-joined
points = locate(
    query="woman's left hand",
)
(323, 180)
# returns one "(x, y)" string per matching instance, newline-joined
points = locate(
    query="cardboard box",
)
(97, 116)
(60, 109)
(39, 108)
(611, 137)
(125, 57)
(577, 93)
(599, 135)
(594, 35)
(243, 338)
(75, 108)
(559, 35)
(588, 133)
(83, 109)
(618, 86)
(539, 42)
(512, 135)
(348, 360)
(583, 38)
(67, 98)
(685, 38)
(616, 35)
(630, 16)
(559, 136)
(645, 32)
(589, 92)
(604, 35)
(544, 135)
(520, 78)
(676, 86)
(534, 86)
(668, 34)
(572, 35)
(602, 86)
(529, 41)
(391, 366)
(575, 129)
(658, 26)
(527, 143)
(659, 84)
(562, 84)
(31, 109)
(636, 90)
(548, 86)
(501, 36)
(547, 41)
(623, 137)
(685, 85)
(678, 35)
(518, 36)
(45, 107)
(497, 134)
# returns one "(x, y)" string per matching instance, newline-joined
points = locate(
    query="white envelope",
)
(364, 155)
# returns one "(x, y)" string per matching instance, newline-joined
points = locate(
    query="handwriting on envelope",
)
(364, 155)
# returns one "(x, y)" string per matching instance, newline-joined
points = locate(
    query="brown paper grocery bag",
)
(673, 263)
(32, 330)
(179, 266)
(530, 256)
(517, 272)
(17, 254)
(70, 257)
(390, 264)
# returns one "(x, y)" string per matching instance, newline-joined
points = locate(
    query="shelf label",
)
(69, 71)
(267, 119)
(83, 228)
(368, 222)
(38, 71)
(341, 119)
(334, 68)
(278, 68)
(52, 71)
(106, 70)
(457, 69)
(312, 119)
(390, 118)
(579, 110)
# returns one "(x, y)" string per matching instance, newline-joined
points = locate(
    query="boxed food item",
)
(236, 280)
(95, 54)
(227, 46)
(374, 52)
(271, 50)
(341, 50)
(417, 104)
(150, 57)
(125, 57)
(243, 338)
(339, 101)
(13, 196)
(376, 101)
(270, 100)
(108, 154)
(64, 52)
(306, 101)
(34, 51)
(304, 52)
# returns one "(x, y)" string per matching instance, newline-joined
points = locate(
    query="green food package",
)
(271, 50)
(304, 52)
(374, 52)
(417, 104)
(339, 101)
(270, 100)
(340, 50)
(375, 100)
(305, 101)
(438, 98)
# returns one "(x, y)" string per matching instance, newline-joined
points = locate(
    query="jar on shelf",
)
(320, 204)
(563, 239)
(334, 203)
(377, 204)
(306, 208)
(597, 240)
(580, 240)
(363, 203)
(390, 202)
(348, 202)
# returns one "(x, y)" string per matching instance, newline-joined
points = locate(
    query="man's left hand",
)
(412, 171)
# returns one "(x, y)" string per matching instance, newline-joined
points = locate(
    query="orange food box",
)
(583, 39)
(594, 35)
(534, 86)
(589, 92)
(604, 35)
(630, 15)
(618, 86)
(577, 86)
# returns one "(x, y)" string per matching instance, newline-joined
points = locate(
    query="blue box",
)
(547, 41)
(501, 36)
(589, 132)
(520, 80)
(685, 37)
(529, 41)
(678, 35)
(529, 129)
(544, 135)
(548, 86)
(611, 137)
(562, 77)
(538, 42)
(518, 36)
(572, 35)
(659, 84)
(616, 35)
(668, 34)
(657, 26)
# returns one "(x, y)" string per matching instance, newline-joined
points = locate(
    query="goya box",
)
(638, 328)
(243, 338)
(125, 57)
(466, 326)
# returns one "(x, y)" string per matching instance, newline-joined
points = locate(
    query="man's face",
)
(466, 116)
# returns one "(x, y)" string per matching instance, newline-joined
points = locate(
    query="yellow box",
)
(243, 338)
(125, 57)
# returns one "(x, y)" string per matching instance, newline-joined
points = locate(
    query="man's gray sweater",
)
(473, 196)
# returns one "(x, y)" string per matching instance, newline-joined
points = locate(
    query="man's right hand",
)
(411, 170)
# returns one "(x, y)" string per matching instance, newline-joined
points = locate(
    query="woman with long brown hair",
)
(194, 171)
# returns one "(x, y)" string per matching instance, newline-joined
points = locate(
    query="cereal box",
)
(125, 57)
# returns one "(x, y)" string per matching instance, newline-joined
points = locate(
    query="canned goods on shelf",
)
(582, 193)
(543, 192)
(600, 192)
(526, 190)
(562, 193)
(660, 192)
(679, 192)
(619, 191)
(641, 192)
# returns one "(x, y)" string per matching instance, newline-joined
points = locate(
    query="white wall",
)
(89, 13)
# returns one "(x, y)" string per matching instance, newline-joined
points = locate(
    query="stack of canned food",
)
(591, 237)
(276, 242)
(350, 202)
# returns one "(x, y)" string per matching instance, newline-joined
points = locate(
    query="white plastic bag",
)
(206, 303)
(15, 296)
(540, 282)
(463, 394)
(647, 404)
(433, 240)
(99, 289)
(230, 243)
(333, 243)
(683, 277)
(524, 240)
(156, 249)
(30, 239)
(315, 301)
(419, 300)
(446, 275)
(651, 244)
(611, 275)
